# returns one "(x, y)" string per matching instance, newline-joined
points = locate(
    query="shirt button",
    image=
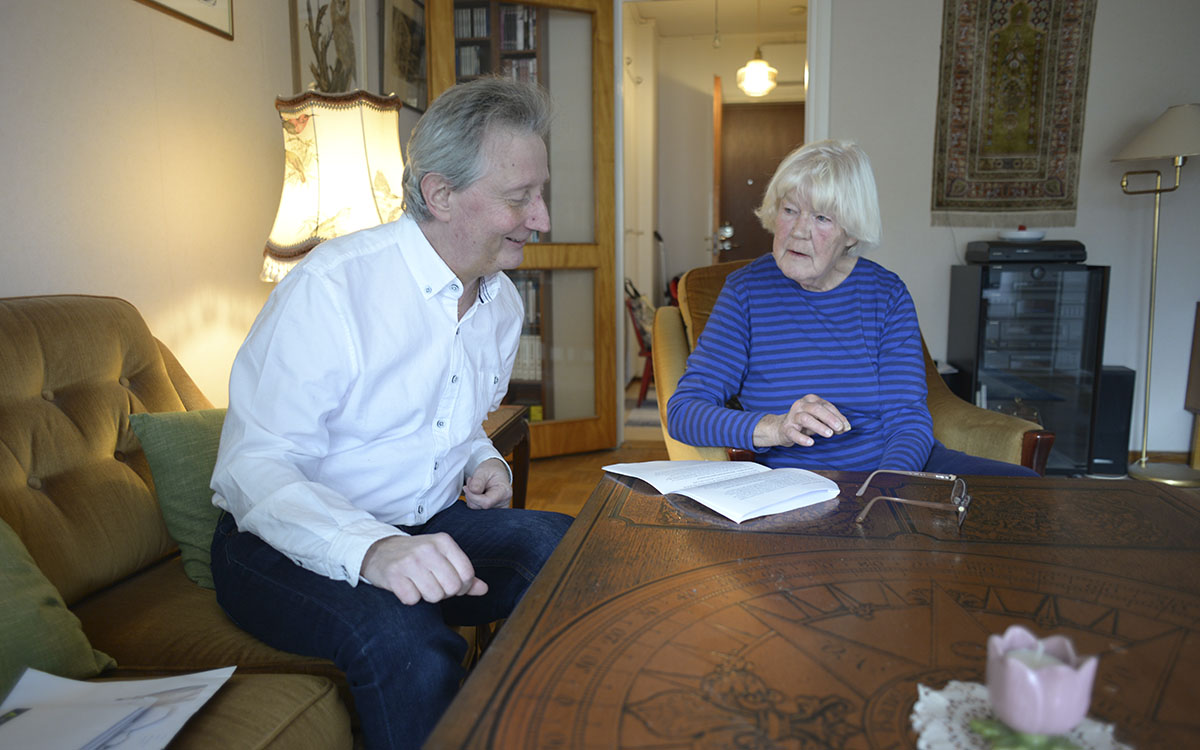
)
(420, 508)
(454, 287)
(435, 465)
(453, 378)
(441, 423)
(428, 289)
(495, 379)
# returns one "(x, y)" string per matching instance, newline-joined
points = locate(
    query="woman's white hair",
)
(835, 178)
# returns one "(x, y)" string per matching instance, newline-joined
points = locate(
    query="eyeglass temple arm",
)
(959, 506)
(925, 474)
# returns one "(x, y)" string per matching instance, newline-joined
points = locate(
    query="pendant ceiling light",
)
(757, 77)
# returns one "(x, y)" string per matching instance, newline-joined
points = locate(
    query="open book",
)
(738, 490)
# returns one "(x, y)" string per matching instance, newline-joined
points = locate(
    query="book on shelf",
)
(518, 28)
(522, 69)
(528, 363)
(738, 490)
(471, 23)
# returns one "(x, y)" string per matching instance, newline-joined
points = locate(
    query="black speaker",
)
(1108, 452)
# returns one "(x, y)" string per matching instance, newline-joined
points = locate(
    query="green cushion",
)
(181, 448)
(36, 628)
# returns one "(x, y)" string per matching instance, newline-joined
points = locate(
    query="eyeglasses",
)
(960, 501)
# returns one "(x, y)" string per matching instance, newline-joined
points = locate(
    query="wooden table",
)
(509, 432)
(658, 624)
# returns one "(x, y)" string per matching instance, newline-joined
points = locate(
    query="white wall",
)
(884, 75)
(883, 93)
(638, 87)
(142, 158)
(685, 144)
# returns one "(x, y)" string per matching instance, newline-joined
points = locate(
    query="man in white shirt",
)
(355, 420)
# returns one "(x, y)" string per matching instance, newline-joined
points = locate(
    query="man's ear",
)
(436, 191)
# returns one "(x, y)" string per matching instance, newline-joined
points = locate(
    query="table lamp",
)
(342, 171)
(1174, 135)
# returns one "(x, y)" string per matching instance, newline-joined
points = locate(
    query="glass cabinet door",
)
(1036, 347)
(566, 365)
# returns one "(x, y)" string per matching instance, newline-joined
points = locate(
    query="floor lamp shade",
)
(342, 172)
(1176, 132)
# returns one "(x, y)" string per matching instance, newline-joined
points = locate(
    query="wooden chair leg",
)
(647, 376)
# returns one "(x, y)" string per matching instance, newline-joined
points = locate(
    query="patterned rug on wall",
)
(1011, 98)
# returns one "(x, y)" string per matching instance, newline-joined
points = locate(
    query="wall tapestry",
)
(1011, 97)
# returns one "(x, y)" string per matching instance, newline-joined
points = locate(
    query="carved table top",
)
(658, 624)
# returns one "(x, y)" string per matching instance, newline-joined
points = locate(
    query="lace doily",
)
(942, 719)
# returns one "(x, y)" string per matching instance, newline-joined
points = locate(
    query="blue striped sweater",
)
(769, 342)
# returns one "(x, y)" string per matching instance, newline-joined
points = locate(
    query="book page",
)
(775, 491)
(673, 476)
(123, 714)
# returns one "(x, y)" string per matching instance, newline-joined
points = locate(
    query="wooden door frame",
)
(599, 431)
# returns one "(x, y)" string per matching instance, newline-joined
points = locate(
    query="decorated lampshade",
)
(757, 78)
(342, 172)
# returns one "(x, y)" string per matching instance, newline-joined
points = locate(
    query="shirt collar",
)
(430, 271)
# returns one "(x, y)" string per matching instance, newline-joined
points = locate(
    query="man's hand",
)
(488, 487)
(429, 567)
(811, 415)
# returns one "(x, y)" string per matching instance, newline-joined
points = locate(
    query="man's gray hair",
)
(448, 139)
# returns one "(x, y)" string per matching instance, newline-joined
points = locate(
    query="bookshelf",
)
(532, 379)
(499, 38)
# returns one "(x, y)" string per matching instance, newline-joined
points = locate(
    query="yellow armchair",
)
(959, 425)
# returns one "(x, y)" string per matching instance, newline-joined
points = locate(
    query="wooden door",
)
(578, 255)
(754, 138)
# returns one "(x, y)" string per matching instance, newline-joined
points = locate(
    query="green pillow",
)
(36, 628)
(181, 448)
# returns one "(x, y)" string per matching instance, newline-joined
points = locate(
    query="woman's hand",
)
(808, 417)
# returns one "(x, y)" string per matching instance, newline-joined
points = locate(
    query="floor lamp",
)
(1174, 135)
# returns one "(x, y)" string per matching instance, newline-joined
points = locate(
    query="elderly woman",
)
(820, 347)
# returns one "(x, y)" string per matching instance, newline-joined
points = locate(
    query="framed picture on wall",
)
(212, 15)
(340, 29)
(403, 52)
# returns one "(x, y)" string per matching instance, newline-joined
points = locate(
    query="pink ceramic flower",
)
(1038, 687)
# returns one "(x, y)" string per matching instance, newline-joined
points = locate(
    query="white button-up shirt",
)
(357, 399)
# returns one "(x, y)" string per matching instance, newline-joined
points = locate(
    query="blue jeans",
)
(403, 663)
(942, 460)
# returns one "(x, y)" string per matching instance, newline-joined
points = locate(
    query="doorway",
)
(753, 139)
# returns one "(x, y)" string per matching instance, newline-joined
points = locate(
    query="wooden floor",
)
(563, 483)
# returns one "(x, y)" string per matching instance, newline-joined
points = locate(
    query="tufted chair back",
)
(73, 481)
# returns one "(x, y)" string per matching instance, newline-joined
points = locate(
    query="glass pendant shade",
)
(342, 172)
(757, 78)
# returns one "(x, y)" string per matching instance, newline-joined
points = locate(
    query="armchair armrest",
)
(988, 434)
(670, 352)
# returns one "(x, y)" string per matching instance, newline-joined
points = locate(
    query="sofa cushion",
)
(74, 484)
(269, 711)
(181, 448)
(36, 628)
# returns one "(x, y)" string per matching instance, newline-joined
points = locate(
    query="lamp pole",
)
(1179, 475)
